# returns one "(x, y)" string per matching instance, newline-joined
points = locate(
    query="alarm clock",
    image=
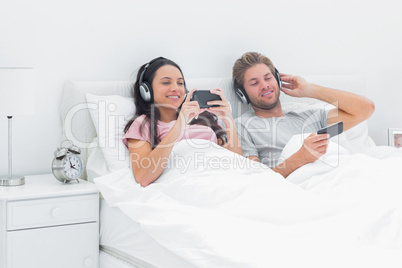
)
(67, 164)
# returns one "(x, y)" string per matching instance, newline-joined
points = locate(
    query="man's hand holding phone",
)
(332, 130)
(316, 145)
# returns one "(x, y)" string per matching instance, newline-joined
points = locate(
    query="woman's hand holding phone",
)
(223, 111)
(190, 109)
(213, 101)
(221, 108)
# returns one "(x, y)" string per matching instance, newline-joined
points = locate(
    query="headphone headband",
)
(146, 90)
(145, 87)
(146, 68)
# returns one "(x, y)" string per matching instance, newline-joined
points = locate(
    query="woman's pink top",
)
(140, 131)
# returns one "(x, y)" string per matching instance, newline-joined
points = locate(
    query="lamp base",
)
(15, 181)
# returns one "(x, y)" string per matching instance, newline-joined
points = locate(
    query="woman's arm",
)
(147, 163)
(223, 111)
(233, 143)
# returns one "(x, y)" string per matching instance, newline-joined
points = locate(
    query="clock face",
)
(72, 166)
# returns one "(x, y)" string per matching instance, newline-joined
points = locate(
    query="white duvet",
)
(214, 208)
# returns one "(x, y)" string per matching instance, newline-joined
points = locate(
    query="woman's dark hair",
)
(151, 111)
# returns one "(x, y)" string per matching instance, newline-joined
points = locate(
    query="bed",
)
(213, 208)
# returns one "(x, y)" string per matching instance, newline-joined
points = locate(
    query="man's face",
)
(261, 87)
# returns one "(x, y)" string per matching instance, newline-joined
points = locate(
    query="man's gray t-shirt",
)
(266, 137)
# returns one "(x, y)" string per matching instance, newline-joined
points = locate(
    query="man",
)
(265, 130)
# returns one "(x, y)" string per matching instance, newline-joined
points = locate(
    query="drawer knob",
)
(56, 212)
(88, 262)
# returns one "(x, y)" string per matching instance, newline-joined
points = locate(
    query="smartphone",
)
(332, 130)
(204, 96)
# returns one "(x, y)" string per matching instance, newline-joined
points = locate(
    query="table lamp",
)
(17, 98)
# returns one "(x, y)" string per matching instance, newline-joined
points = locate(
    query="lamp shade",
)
(17, 91)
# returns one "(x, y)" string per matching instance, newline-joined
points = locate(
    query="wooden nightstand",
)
(48, 224)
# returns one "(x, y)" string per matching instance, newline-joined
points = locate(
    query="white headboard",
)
(77, 124)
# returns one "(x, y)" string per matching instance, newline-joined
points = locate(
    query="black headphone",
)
(146, 91)
(241, 92)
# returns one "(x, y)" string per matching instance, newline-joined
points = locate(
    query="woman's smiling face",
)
(168, 87)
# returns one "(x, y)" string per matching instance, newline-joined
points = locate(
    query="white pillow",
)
(96, 165)
(356, 139)
(109, 115)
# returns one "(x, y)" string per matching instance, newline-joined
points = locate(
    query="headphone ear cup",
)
(242, 95)
(146, 92)
(278, 78)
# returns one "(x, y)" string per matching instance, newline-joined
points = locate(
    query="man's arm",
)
(351, 108)
(314, 146)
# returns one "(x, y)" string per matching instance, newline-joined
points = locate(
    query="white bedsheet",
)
(122, 234)
(214, 208)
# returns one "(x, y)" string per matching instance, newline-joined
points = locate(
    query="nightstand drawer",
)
(52, 211)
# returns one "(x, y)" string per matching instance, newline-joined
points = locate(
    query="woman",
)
(165, 114)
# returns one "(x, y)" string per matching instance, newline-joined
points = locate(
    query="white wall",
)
(109, 40)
